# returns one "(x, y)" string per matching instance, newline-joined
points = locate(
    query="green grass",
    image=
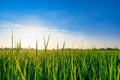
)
(17, 64)
(59, 64)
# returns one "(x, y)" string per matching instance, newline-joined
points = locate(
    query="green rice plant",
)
(46, 43)
(60, 64)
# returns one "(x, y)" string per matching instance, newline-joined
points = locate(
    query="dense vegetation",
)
(59, 64)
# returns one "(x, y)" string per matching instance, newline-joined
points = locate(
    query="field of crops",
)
(59, 64)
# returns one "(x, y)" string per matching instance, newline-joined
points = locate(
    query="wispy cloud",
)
(29, 28)
(29, 34)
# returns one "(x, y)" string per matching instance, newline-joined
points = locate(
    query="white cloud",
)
(30, 32)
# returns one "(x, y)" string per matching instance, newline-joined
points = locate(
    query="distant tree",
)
(102, 48)
(7, 48)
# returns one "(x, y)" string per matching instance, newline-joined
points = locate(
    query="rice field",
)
(58, 64)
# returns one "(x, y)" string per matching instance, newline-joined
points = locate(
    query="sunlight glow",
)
(28, 34)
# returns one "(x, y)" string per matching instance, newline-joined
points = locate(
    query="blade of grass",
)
(46, 43)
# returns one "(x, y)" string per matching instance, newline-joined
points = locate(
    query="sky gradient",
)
(93, 23)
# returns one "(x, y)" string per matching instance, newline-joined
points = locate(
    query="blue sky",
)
(94, 19)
